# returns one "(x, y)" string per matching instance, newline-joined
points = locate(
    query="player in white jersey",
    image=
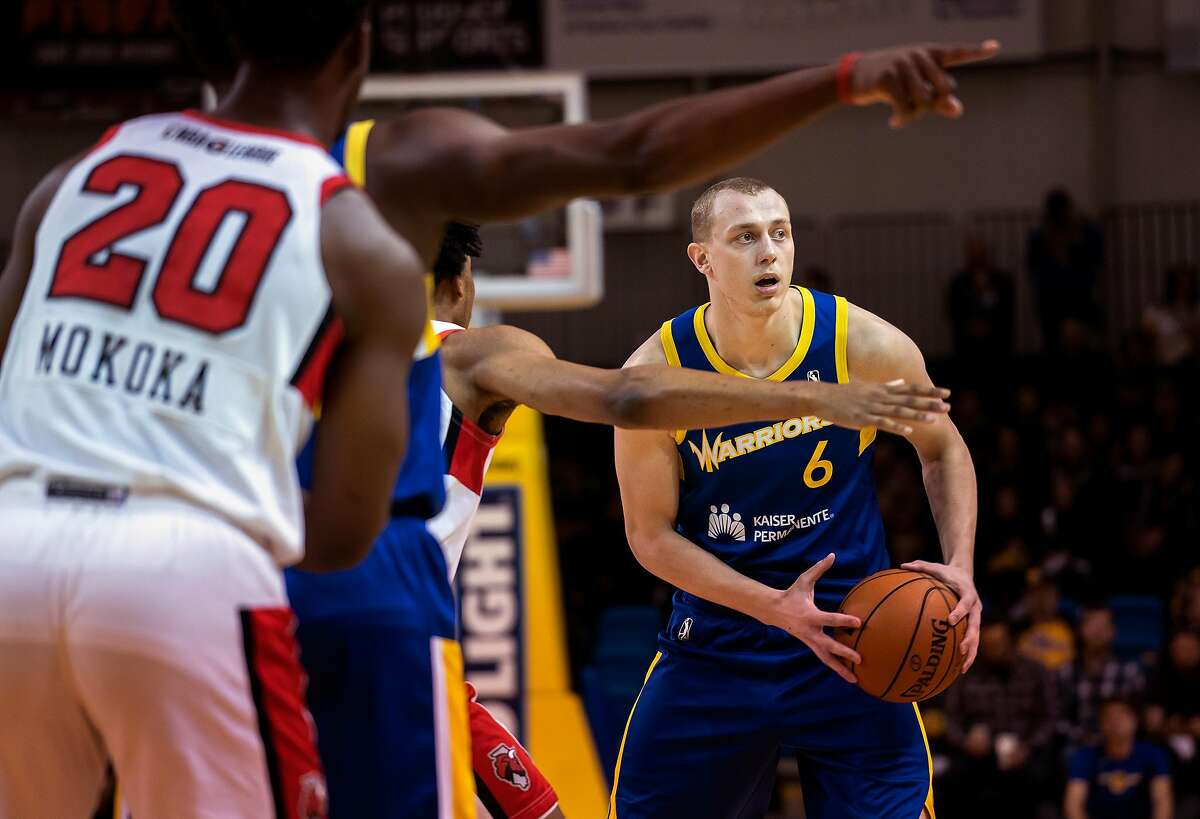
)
(489, 371)
(167, 317)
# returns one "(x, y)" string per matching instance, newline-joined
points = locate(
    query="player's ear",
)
(699, 256)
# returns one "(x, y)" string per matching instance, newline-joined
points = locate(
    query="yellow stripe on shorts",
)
(612, 800)
(455, 776)
(929, 759)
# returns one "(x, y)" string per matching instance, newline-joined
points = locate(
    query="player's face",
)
(749, 256)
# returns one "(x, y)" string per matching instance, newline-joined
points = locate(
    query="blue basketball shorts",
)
(385, 681)
(726, 695)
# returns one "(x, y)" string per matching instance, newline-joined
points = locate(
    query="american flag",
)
(551, 263)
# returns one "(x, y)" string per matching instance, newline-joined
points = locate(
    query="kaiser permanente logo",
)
(722, 525)
(712, 455)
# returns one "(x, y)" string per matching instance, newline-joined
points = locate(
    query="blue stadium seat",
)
(1140, 625)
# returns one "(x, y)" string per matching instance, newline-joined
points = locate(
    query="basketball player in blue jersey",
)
(764, 528)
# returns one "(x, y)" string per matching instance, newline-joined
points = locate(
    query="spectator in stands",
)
(1185, 604)
(1000, 727)
(980, 302)
(1049, 639)
(1174, 716)
(1121, 777)
(1065, 254)
(1095, 675)
(1174, 322)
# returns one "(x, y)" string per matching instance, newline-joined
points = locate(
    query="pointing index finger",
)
(963, 53)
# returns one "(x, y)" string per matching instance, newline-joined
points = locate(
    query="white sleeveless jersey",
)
(468, 451)
(174, 333)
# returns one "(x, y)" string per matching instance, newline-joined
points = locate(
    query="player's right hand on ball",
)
(796, 613)
(913, 79)
(892, 407)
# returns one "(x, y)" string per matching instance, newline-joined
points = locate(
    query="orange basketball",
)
(909, 649)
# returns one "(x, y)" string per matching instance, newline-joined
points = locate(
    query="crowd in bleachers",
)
(1086, 695)
(1085, 547)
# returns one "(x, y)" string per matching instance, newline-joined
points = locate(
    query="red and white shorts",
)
(507, 783)
(155, 633)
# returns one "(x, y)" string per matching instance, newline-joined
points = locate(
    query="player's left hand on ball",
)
(969, 605)
(796, 613)
(914, 79)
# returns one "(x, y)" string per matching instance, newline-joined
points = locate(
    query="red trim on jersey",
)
(332, 185)
(106, 137)
(310, 375)
(507, 782)
(259, 130)
(472, 446)
(442, 335)
(289, 738)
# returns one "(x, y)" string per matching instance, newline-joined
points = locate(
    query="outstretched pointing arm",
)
(468, 167)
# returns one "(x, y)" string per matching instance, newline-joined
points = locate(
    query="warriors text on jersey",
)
(176, 325)
(773, 498)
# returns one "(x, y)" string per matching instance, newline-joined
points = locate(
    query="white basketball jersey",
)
(177, 323)
(468, 451)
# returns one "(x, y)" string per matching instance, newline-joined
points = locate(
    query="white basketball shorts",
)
(155, 633)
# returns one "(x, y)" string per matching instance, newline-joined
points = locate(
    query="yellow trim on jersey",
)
(841, 312)
(612, 800)
(929, 759)
(354, 160)
(462, 774)
(808, 318)
(841, 334)
(866, 437)
(668, 344)
(429, 342)
(667, 338)
(355, 157)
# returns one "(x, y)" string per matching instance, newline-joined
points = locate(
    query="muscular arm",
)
(877, 351)
(379, 295)
(463, 166)
(508, 364)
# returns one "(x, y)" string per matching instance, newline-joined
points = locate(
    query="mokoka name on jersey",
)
(116, 361)
(712, 455)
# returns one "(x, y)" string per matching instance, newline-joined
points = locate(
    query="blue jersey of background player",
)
(1122, 777)
(732, 516)
(385, 674)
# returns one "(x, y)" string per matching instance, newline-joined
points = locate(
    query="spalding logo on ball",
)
(909, 649)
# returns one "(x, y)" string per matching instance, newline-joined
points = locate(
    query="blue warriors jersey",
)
(420, 490)
(770, 499)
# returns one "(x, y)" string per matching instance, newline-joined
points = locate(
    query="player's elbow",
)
(646, 547)
(631, 401)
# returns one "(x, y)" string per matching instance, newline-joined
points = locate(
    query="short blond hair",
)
(702, 210)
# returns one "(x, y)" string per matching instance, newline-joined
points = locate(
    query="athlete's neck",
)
(756, 345)
(273, 99)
